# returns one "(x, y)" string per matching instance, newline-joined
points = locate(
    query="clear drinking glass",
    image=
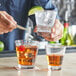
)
(55, 54)
(26, 53)
(45, 20)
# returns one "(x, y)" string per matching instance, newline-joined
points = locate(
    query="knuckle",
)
(9, 25)
(10, 17)
(7, 22)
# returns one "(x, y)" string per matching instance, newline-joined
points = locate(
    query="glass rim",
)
(25, 41)
(58, 45)
(47, 11)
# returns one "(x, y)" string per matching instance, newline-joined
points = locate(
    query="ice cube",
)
(26, 55)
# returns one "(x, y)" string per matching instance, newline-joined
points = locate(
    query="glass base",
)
(54, 68)
(25, 67)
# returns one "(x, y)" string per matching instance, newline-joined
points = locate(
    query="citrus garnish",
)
(21, 48)
(34, 9)
(1, 46)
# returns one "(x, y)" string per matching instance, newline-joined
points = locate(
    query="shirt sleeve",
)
(47, 5)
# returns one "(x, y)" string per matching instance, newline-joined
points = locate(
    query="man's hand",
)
(7, 23)
(56, 32)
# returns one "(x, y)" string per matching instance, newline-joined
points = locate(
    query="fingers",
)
(57, 29)
(56, 32)
(3, 19)
(12, 22)
(7, 18)
(57, 38)
(10, 17)
(2, 31)
(7, 23)
(45, 35)
(54, 39)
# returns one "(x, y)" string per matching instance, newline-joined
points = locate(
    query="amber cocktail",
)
(55, 54)
(26, 53)
(55, 60)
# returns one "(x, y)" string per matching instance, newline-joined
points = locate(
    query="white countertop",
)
(7, 67)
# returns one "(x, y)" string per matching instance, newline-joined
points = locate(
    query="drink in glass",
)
(55, 54)
(45, 20)
(55, 60)
(26, 53)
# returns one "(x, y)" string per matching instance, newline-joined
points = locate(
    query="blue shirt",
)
(19, 10)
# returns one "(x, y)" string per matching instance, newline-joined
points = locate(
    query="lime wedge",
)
(1, 46)
(34, 9)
